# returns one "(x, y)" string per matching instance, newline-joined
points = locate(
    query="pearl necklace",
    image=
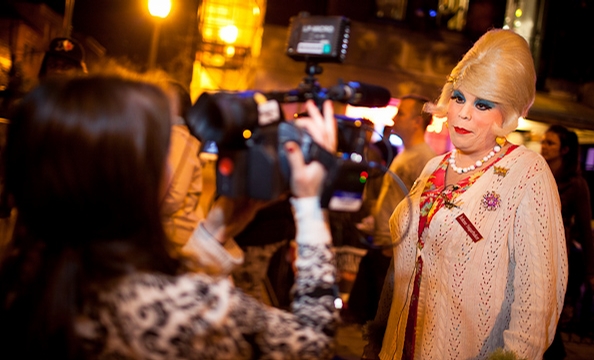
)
(478, 164)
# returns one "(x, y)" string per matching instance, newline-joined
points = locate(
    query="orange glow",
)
(379, 116)
(159, 8)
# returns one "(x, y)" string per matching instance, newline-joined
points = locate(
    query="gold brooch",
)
(501, 171)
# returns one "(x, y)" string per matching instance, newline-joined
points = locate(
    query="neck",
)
(415, 139)
(555, 165)
(471, 161)
(470, 158)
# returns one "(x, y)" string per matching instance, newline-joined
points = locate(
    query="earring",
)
(500, 140)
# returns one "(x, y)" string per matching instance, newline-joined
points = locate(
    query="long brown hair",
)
(85, 160)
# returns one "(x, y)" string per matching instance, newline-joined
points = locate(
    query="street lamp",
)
(67, 24)
(159, 9)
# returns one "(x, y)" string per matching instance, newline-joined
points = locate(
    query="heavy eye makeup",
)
(458, 97)
(484, 105)
(480, 104)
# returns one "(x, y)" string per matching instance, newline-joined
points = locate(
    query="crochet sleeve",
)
(538, 266)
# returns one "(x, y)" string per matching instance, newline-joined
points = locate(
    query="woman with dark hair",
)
(91, 273)
(560, 148)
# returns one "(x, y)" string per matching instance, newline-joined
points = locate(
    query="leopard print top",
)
(199, 316)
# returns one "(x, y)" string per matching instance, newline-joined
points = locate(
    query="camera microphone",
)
(359, 94)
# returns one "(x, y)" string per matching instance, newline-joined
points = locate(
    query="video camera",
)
(249, 128)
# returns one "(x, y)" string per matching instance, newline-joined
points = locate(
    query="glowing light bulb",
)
(229, 34)
(159, 8)
(230, 51)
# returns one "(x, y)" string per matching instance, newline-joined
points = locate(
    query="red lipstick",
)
(461, 130)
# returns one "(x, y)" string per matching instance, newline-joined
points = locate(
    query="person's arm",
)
(311, 326)
(538, 259)
(190, 213)
(384, 206)
(583, 225)
(199, 316)
(314, 290)
(396, 185)
(212, 245)
(181, 204)
(307, 332)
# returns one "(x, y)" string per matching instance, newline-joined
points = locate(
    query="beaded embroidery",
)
(491, 200)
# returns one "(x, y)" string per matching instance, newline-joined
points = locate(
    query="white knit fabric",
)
(505, 291)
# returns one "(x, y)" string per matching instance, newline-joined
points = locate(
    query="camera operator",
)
(90, 274)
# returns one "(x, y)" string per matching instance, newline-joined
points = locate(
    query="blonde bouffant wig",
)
(499, 68)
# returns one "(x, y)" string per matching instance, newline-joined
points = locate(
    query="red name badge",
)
(474, 234)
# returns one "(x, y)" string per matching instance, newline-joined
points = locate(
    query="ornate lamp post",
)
(230, 37)
(67, 24)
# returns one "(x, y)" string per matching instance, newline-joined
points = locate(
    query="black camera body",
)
(249, 137)
(250, 130)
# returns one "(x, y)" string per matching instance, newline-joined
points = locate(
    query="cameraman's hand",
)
(228, 217)
(307, 179)
(367, 225)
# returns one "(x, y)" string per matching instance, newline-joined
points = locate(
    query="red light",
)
(363, 177)
(226, 166)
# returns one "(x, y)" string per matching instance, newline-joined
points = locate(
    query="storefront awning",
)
(564, 112)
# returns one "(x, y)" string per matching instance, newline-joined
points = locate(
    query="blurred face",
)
(56, 66)
(405, 121)
(470, 122)
(550, 146)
